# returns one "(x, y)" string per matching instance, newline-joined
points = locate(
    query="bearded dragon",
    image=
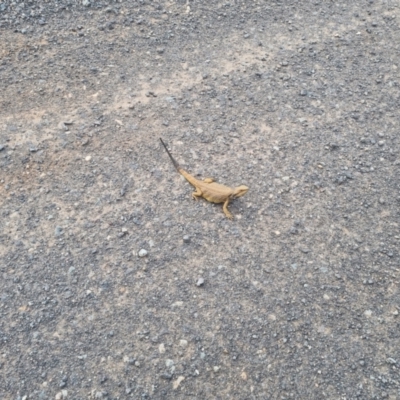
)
(210, 190)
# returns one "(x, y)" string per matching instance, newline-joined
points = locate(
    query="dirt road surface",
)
(115, 284)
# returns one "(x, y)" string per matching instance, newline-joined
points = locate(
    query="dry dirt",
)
(297, 298)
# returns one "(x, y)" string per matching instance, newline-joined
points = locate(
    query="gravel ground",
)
(115, 283)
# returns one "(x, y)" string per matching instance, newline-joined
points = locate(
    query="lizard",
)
(209, 189)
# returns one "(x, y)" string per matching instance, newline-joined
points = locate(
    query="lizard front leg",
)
(225, 209)
(208, 180)
(198, 193)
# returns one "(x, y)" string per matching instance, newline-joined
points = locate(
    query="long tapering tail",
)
(176, 165)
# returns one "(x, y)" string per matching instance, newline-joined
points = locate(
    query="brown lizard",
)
(210, 190)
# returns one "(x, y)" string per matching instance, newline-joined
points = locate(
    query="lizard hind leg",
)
(226, 211)
(198, 193)
(208, 180)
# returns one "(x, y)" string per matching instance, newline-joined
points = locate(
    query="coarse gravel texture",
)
(115, 283)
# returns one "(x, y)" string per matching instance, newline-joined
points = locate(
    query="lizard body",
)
(208, 189)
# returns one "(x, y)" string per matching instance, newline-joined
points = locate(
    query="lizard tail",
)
(176, 165)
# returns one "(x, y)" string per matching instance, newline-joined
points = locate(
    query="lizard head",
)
(239, 191)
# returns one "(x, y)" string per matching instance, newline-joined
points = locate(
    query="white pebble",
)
(142, 253)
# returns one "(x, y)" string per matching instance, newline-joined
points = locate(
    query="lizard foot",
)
(228, 215)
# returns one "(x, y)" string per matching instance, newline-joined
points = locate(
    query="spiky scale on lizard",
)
(208, 189)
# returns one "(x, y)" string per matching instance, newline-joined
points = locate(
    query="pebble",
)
(200, 282)
(186, 239)
(381, 143)
(142, 253)
(183, 343)
(62, 395)
(2, 147)
(216, 368)
(178, 382)
(161, 348)
(58, 231)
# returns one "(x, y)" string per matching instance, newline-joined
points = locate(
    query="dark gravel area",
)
(115, 283)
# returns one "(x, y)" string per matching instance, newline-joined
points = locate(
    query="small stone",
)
(381, 143)
(137, 364)
(58, 231)
(176, 383)
(303, 92)
(86, 3)
(391, 361)
(200, 282)
(183, 343)
(186, 239)
(142, 253)
(88, 158)
(169, 363)
(2, 147)
(382, 200)
(216, 368)
(62, 395)
(161, 348)
(33, 149)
